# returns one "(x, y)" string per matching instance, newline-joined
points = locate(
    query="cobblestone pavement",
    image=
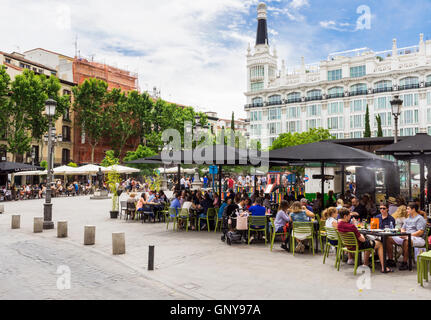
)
(193, 265)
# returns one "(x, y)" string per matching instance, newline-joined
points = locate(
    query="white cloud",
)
(299, 3)
(194, 51)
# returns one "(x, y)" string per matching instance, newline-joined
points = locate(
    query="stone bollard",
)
(38, 225)
(16, 221)
(62, 229)
(1, 208)
(118, 243)
(89, 235)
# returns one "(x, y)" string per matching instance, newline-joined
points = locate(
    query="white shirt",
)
(329, 221)
(182, 181)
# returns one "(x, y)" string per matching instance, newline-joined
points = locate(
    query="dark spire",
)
(262, 28)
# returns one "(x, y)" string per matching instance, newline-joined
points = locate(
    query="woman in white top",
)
(330, 215)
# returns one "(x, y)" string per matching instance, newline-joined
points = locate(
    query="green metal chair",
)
(171, 214)
(322, 232)
(183, 215)
(273, 233)
(412, 252)
(257, 224)
(302, 228)
(348, 239)
(423, 265)
(218, 221)
(332, 234)
(210, 215)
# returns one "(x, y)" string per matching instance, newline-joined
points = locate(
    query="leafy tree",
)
(232, 123)
(25, 112)
(113, 177)
(379, 126)
(4, 100)
(110, 159)
(44, 164)
(313, 135)
(72, 164)
(89, 103)
(367, 133)
(141, 152)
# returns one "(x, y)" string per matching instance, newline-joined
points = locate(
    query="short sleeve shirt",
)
(257, 210)
(348, 227)
(300, 216)
(411, 225)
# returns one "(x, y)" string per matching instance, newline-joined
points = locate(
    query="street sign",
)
(306, 178)
(319, 176)
(213, 169)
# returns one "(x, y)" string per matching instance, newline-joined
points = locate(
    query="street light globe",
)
(396, 106)
(50, 106)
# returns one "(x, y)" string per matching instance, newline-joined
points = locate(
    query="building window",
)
(258, 71)
(335, 108)
(334, 75)
(406, 132)
(386, 118)
(410, 100)
(383, 85)
(257, 86)
(294, 97)
(382, 103)
(356, 72)
(314, 95)
(429, 98)
(274, 128)
(409, 81)
(3, 153)
(7, 60)
(256, 129)
(66, 115)
(336, 92)
(65, 156)
(294, 126)
(313, 124)
(256, 116)
(357, 89)
(293, 112)
(257, 101)
(66, 134)
(314, 110)
(358, 105)
(335, 123)
(274, 114)
(409, 117)
(357, 121)
(274, 100)
(357, 134)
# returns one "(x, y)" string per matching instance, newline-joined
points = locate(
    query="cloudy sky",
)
(194, 51)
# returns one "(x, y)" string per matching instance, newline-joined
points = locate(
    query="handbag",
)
(242, 222)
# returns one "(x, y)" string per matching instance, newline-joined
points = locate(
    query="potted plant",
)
(113, 180)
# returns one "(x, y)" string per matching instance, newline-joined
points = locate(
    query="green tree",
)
(89, 104)
(313, 135)
(367, 133)
(113, 177)
(140, 153)
(379, 126)
(25, 112)
(110, 159)
(4, 100)
(232, 122)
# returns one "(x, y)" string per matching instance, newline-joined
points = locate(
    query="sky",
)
(195, 51)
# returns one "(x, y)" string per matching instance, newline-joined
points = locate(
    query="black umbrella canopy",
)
(10, 167)
(325, 152)
(211, 155)
(417, 145)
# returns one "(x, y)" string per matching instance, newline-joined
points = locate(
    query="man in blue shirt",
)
(176, 203)
(205, 182)
(257, 209)
(152, 196)
(385, 219)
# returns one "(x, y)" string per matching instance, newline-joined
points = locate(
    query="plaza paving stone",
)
(193, 265)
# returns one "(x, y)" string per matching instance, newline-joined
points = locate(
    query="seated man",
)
(386, 221)
(415, 224)
(364, 243)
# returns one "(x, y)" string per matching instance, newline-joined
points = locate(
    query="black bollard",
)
(151, 258)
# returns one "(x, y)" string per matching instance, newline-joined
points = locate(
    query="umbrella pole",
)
(409, 163)
(219, 180)
(422, 190)
(179, 178)
(322, 170)
(342, 179)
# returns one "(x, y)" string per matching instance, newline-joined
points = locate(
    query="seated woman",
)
(400, 215)
(301, 214)
(133, 200)
(330, 215)
(282, 219)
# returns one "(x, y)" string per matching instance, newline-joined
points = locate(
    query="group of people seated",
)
(156, 199)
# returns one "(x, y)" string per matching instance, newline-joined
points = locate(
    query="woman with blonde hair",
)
(340, 204)
(326, 214)
(400, 215)
(300, 213)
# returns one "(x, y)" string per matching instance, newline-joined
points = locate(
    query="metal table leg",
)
(410, 252)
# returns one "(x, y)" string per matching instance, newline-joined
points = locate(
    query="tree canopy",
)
(294, 139)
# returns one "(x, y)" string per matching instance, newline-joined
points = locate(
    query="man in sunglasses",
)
(385, 219)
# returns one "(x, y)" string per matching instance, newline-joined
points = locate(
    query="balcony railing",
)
(409, 86)
(274, 103)
(254, 105)
(428, 84)
(313, 98)
(294, 100)
(335, 95)
(385, 89)
(358, 93)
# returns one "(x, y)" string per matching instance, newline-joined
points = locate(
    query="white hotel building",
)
(333, 94)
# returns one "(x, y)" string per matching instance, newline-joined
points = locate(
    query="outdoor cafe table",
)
(384, 235)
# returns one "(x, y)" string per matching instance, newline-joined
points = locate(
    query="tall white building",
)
(333, 94)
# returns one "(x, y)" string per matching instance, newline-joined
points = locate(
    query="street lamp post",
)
(50, 106)
(396, 111)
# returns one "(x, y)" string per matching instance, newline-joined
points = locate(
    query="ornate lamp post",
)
(50, 106)
(396, 111)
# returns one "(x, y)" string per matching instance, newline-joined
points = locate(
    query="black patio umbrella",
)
(220, 155)
(327, 152)
(417, 147)
(11, 167)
